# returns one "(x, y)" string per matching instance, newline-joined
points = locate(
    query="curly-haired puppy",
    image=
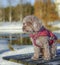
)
(43, 40)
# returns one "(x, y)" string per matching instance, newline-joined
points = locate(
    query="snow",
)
(4, 62)
(29, 49)
(57, 25)
(26, 50)
(11, 27)
(16, 27)
(57, 1)
(57, 31)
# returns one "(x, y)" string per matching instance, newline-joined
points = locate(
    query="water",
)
(58, 35)
(5, 41)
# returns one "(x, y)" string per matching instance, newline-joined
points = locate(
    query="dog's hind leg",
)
(46, 50)
(53, 50)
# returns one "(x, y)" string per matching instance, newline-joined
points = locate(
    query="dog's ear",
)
(35, 24)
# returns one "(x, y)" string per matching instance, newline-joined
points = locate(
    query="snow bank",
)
(25, 50)
(4, 62)
(11, 27)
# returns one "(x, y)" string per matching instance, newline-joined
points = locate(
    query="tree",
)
(45, 10)
(1, 14)
(15, 15)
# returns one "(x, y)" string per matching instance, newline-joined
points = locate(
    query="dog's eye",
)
(23, 23)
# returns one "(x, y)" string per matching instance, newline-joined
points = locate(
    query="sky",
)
(4, 3)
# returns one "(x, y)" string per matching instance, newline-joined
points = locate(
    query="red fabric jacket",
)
(43, 32)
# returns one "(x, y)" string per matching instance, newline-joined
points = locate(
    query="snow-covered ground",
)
(11, 27)
(57, 31)
(16, 27)
(23, 50)
(7, 52)
(55, 23)
(4, 62)
(4, 48)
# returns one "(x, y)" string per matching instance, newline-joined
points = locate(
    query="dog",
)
(44, 41)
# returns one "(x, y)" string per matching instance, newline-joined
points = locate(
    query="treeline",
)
(17, 12)
(43, 9)
(46, 10)
(25, 41)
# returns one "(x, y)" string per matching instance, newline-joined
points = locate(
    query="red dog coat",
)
(43, 32)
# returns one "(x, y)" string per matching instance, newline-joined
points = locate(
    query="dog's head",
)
(31, 24)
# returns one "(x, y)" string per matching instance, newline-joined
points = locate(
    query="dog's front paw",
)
(47, 58)
(34, 58)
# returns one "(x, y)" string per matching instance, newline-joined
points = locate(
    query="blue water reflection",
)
(5, 41)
